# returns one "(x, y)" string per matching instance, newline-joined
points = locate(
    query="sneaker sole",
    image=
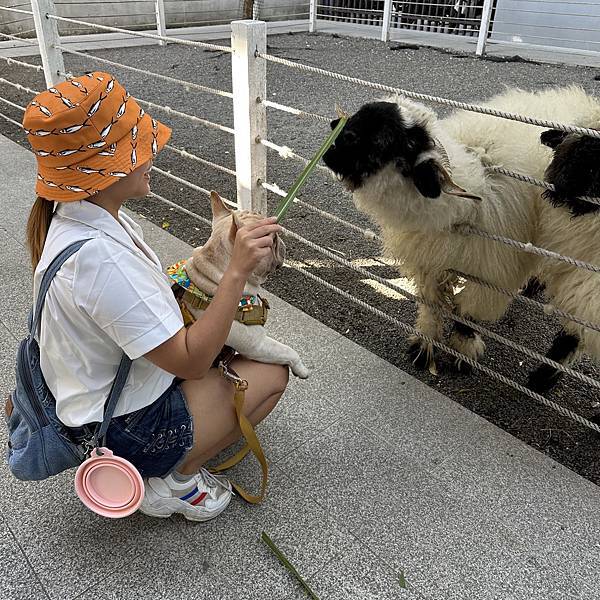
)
(164, 511)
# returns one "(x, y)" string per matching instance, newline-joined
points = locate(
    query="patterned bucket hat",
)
(87, 133)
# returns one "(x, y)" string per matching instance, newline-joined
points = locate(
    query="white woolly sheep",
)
(409, 172)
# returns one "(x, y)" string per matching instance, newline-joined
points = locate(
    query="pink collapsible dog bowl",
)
(109, 485)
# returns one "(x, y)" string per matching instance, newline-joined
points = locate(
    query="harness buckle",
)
(239, 383)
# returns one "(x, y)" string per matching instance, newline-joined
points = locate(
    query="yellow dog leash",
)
(248, 314)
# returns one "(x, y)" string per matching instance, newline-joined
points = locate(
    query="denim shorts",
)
(155, 438)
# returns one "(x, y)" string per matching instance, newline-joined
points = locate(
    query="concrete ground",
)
(375, 478)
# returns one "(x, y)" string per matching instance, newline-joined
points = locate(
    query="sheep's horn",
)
(448, 186)
(453, 189)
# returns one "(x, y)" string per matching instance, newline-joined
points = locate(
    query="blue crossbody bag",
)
(39, 445)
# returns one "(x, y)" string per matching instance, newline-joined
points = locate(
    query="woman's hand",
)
(252, 244)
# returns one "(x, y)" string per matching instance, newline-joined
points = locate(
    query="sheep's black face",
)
(574, 170)
(374, 137)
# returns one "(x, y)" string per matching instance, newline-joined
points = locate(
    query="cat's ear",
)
(219, 210)
(236, 223)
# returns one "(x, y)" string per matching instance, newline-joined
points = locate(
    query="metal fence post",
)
(249, 75)
(47, 34)
(484, 28)
(312, 25)
(161, 22)
(256, 9)
(387, 17)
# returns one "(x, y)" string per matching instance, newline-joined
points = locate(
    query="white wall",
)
(140, 14)
(563, 24)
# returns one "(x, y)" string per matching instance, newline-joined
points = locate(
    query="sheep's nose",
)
(334, 123)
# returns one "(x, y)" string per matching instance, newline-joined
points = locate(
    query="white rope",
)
(462, 105)
(186, 84)
(286, 152)
(18, 86)
(203, 161)
(537, 182)
(7, 118)
(444, 311)
(548, 308)
(180, 208)
(21, 108)
(295, 111)
(529, 248)
(176, 113)
(18, 39)
(151, 36)
(191, 185)
(476, 365)
(17, 10)
(183, 115)
(411, 330)
(12, 61)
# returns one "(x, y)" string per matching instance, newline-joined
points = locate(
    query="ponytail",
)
(37, 228)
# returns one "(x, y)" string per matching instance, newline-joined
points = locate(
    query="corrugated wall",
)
(139, 14)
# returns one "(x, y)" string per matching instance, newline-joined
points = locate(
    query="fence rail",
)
(249, 99)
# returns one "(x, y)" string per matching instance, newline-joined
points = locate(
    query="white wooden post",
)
(484, 28)
(387, 17)
(249, 75)
(312, 25)
(47, 35)
(161, 23)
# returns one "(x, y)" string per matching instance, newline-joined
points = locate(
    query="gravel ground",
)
(461, 77)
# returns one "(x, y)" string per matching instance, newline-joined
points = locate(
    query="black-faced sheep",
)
(571, 227)
(409, 172)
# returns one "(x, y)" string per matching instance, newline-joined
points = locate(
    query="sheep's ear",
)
(426, 176)
(553, 138)
(431, 179)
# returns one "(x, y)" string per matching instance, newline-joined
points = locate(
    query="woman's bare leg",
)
(210, 401)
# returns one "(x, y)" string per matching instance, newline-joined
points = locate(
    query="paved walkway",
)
(373, 474)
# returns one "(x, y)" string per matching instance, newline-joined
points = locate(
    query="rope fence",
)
(203, 161)
(257, 137)
(142, 34)
(19, 39)
(412, 331)
(187, 85)
(19, 63)
(426, 97)
(7, 118)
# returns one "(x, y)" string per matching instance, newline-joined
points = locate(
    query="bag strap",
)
(51, 271)
(124, 365)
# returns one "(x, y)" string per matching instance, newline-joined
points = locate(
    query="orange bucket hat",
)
(87, 133)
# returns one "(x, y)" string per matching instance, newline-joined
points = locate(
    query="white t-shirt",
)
(110, 297)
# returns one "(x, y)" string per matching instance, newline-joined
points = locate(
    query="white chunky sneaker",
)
(201, 498)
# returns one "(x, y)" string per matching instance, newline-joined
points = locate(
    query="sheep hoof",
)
(543, 379)
(421, 354)
(466, 341)
(460, 366)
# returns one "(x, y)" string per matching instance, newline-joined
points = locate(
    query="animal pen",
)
(250, 107)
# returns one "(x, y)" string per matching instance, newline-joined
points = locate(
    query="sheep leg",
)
(564, 350)
(474, 303)
(430, 322)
